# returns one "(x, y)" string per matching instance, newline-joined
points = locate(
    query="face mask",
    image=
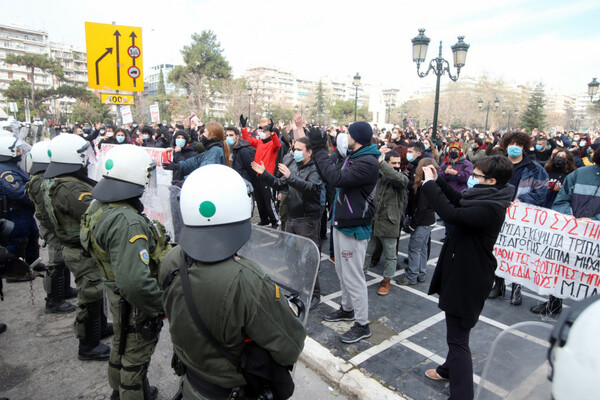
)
(394, 136)
(262, 135)
(180, 142)
(109, 134)
(453, 154)
(397, 169)
(570, 135)
(426, 147)
(17, 159)
(230, 141)
(120, 139)
(474, 146)
(514, 151)
(539, 147)
(472, 182)
(298, 156)
(410, 157)
(145, 137)
(560, 162)
(481, 136)
(582, 143)
(102, 131)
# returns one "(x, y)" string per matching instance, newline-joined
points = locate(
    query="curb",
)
(346, 376)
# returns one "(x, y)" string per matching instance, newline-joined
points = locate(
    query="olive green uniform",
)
(235, 300)
(66, 198)
(128, 248)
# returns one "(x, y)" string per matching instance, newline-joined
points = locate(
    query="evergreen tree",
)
(161, 84)
(320, 106)
(534, 116)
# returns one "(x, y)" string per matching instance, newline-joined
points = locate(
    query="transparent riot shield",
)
(517, 367)
(290, 260)
(174, 193)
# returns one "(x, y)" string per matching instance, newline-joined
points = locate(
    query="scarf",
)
(498, 196)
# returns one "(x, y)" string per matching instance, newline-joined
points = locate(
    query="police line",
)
(549, 252)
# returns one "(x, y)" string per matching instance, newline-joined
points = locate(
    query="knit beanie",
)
(361, 132)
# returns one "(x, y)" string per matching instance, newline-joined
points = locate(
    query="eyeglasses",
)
(479, 176)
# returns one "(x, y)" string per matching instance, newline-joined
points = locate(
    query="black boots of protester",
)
(90, 347)
(551, 307)
(516, 298)
(499, 288)
(54, 283)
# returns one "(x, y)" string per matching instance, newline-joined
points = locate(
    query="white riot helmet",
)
(216, 209)
(8, 147)
(38, 159)
(574, 352)
(68, 153)
(126, 172)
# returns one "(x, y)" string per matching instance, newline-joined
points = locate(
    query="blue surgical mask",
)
(539, 147)
(426, 147)
(472, 181)
(514, 151)
(120, 139)
(410, 157)
(180, 142)
(582, 143)
(230, 141)
(145, 137)
(298, 156)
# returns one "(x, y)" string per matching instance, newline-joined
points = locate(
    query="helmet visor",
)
(87, 153)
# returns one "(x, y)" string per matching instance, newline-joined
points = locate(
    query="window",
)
(10, 75)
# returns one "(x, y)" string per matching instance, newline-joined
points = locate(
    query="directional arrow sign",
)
(113, 64)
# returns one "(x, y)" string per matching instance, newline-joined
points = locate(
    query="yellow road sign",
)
(117, 98)
(114, 57)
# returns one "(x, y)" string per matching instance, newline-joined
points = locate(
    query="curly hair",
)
(520, 138)
(569, 164)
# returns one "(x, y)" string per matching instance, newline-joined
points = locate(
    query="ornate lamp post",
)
(593, 89)
(510, 112)
(356, 84)
(389, 108)
(487, 108)
(249, 89)
(438, 65)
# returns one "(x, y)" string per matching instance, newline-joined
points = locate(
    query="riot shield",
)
(290, 260)
(517, 367)
(174, 193)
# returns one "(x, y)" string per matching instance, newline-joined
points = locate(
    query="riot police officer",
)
(58, 277)
(235, 299)
(67, 194)
(128, 248)
(16, 206)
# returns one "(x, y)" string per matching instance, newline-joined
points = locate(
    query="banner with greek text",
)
(549, 252)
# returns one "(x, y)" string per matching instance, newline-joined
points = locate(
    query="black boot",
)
(551, 307)
(515, 296)
(90, 347)
(150, 392)
(54, 285)
(106, 329)
(499, 288)
(70, 292)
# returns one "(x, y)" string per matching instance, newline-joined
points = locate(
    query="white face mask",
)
(109, 134)
(262, 135)
(394, 136)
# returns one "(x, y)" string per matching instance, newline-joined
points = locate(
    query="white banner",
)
(126, 114)
(154, 113)
(549, 252)
(157, 201)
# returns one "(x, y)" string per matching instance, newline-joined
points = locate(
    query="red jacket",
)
(265, 151)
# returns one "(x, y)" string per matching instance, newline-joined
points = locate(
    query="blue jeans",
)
(417, 253)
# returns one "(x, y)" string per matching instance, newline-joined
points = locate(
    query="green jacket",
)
(389, 201)
(34, 190)
(473, 156)
(66, 198)
(122, 242)
(235, 300)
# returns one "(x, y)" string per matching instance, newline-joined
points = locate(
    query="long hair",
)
(569, 164)
(419, 175)
(214, 130)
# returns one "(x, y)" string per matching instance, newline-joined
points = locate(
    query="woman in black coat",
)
(465, 270)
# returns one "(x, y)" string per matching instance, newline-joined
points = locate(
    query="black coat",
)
(464, 274)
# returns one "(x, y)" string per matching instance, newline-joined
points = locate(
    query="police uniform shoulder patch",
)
(145, 257)
(136, 237)
(9, 178)
(277, 292)
(82, 195)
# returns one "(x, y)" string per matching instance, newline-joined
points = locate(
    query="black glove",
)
(170, 166)
(243, 121)
(316, 138)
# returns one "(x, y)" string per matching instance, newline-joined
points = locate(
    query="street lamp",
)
(296, 109)
(249, 89)
(389, 107)
(438, 65)
(356, 84)
(510, 112)
(487, 108)
(593, 89)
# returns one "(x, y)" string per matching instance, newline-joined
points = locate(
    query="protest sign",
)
(154, 113)
(126, 114)
(549, 252)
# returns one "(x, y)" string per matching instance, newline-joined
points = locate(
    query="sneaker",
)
(263, 223)
(546, 308)
(405, 282)
(421, 280)
(332, 259)
(275, 225)
(339, 315)
(357, 333)
(314, 302)
(434, 376)
(384, 287)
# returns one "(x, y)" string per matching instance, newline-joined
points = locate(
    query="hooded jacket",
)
(580, 194)
(464, 168)
(533, 185)
(266, 149)
(241, 159)
(355, 182)
(389, 201)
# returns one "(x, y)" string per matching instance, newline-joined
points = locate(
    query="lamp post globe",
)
(593, 88)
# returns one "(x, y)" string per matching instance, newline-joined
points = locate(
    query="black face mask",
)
(559, 162)
(17, 159)
(453, 154)
(397, 169)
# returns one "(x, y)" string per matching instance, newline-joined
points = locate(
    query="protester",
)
(559, 165)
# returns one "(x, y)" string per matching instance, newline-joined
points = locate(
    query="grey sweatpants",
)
(349, 258)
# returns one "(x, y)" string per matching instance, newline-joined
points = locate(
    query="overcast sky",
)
(523, 41)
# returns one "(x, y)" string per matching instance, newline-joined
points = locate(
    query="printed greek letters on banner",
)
(549, 252)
